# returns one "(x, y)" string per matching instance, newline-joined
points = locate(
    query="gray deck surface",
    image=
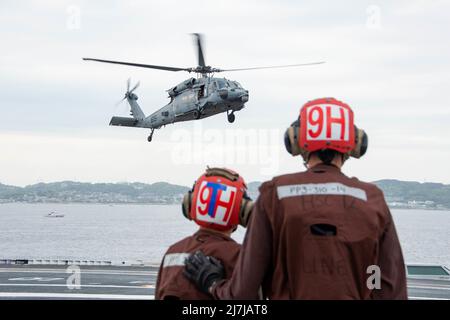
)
(124, 282)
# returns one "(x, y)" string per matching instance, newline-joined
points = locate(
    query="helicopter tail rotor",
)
(135, 86)
(128, 92)
(135, 111)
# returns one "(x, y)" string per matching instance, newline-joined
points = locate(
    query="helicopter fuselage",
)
(197, 99)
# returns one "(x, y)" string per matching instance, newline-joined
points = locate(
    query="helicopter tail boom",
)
(136, 111)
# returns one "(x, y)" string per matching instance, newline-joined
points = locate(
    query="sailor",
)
(218, 203)
(317, 234)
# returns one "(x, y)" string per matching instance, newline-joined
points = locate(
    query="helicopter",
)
(193, 99)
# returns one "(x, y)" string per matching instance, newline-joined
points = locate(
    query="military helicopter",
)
(192, 99)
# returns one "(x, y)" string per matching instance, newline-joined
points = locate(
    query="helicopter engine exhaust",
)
(181, 87)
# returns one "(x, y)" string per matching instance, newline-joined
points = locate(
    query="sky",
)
(389, 60)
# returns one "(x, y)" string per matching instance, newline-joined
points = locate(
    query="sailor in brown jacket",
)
(316, 234)
(218, 202)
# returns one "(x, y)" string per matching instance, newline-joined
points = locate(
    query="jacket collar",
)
(211, 233)
(321, 167)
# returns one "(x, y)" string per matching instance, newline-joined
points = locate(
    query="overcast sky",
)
(389, 60)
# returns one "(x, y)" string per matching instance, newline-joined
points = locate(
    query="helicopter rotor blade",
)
(140, 65)
(126, 93)
(136, 86)
(198, 41)
(120, 101)
(272, 67)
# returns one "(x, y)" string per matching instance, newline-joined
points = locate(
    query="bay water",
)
(144, 232)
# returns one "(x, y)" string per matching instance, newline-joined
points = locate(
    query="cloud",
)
(57, 106)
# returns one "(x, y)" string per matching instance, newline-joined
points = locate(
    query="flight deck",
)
(138, 282)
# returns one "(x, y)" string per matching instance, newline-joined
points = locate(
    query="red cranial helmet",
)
(325, 123)
(218, 200)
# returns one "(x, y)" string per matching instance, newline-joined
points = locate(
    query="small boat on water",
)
(53, 214)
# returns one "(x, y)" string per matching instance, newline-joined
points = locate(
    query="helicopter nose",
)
(244, 95)
(239, 95)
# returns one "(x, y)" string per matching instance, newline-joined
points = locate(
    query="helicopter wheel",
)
(231, 117)
(196, 114)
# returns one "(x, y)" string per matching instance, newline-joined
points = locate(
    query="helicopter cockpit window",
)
(232, 84)
(201, 92)
(238, 85)
(221, 84)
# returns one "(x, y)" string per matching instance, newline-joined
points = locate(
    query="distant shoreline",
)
(176, 204)
(398, 194)
(96, 203)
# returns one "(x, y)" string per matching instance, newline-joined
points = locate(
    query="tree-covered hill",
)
(402, 194)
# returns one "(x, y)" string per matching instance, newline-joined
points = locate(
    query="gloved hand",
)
(203, 270)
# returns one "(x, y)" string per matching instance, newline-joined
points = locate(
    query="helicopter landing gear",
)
(196, 114)
(149, 139)
(231, 117)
